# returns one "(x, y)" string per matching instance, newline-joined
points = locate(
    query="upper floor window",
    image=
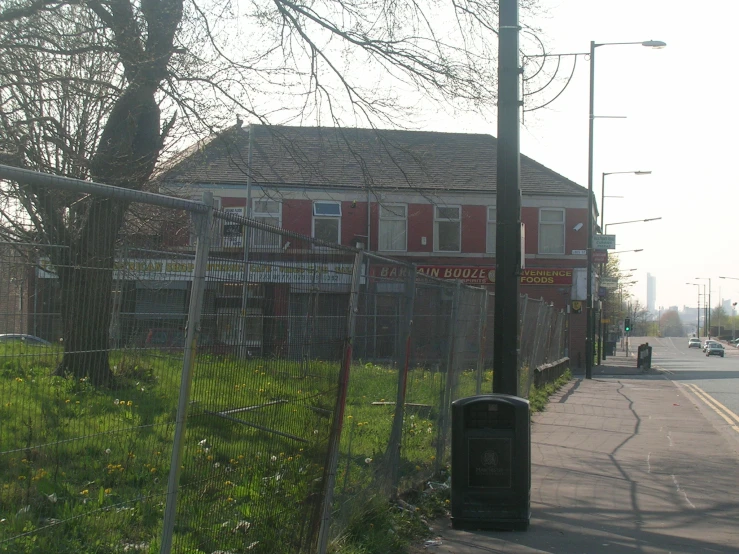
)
(269, 212)
(327, 221)
(491, 231)
(393, 227)
(233, 232)
(551, 231)
(447, 229)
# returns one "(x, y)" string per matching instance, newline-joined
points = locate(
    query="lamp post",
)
(707, 321)
(698, 324)
(603, 189)
(622, 251)
(589, 270)
(733, 321)
(631, 221)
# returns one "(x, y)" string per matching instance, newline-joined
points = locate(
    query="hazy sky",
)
(681, 123)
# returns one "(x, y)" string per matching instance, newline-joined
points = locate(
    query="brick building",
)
(424, 197)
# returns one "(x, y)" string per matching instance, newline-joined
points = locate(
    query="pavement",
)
(623, 462)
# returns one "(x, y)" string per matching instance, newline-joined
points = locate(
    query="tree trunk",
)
(85, 273)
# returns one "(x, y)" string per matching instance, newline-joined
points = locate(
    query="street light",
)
(605, 231)
(698, 325)
(603, 189)
(622, 251)
(708, 306)
(591, 120)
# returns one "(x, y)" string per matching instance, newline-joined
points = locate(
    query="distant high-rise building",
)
(651, 291)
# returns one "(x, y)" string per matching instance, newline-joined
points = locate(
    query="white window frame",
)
(437, 220)
(491, 220)
(562, 224)
(317, 216)
(261, 216)
(385, 217)
(216, 239)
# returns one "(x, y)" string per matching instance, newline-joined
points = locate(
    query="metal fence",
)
(211, 383)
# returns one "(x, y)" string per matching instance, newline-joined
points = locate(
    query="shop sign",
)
(226, 270)
(476, 275)
(600, 256)
(609, 282)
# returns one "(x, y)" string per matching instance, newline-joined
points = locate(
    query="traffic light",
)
(627, 324)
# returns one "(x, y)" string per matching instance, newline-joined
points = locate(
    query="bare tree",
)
(98, 89)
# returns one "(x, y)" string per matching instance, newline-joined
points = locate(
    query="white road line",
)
(649, 465)
(677, 485)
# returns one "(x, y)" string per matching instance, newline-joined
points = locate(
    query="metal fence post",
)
(444, 419)
(203, 223)
(338, 416)
(393, 449)
(482, 340)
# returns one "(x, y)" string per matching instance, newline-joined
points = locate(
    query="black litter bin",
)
(491, 462)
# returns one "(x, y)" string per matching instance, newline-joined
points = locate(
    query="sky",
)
(681, 120)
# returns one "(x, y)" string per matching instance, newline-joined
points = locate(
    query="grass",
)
(84, 470)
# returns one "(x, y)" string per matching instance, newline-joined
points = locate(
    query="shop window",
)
(447, 229)
(394, 227)
(551, 231)
(491, 231)
(327, 221)
(265, 210)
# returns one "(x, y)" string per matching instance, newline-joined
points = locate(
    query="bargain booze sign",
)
(477, 275)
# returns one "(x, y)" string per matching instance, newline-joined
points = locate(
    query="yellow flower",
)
(108, 491)
(228, 483)
(67, 401)
(129, 403)
(21, 478)
(85, 492)
(153, 470)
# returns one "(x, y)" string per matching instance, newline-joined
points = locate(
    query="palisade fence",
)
(213, 384)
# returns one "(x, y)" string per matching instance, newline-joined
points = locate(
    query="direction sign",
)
(600, 256)
(604, 242)
(609, 282)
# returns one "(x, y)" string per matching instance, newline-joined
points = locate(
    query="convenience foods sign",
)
(476, 275)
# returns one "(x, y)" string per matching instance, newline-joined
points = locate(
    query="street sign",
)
(609, 282)
(605, 320)
(579, 252)
(604, 242)
(600, 256)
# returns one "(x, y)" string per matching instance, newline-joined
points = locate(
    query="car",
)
(708, 343)
(694, 343)
(715, 349)
(26, 339)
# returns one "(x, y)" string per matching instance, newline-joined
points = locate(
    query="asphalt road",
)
(714, 381)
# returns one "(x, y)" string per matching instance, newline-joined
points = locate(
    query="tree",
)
(671, 325)
(98, 89)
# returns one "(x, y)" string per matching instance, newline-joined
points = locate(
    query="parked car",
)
(715, 349)
(694, 343)
(26, 339)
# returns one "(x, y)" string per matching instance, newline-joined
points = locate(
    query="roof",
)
(348, 157)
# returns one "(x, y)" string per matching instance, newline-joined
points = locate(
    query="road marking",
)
(730, 417)
(677, 485)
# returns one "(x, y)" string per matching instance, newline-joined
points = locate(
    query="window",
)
(491, 236)
(327, 221)
(233, 233)
(217, 228)
(447, 229)
(266, 211)
(393, 227)
(551, 231)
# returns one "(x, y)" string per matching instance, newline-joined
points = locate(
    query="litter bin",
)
(491, 462)
(644, 356)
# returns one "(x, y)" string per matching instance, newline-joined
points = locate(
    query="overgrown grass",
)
(382, 528)
(84, 470)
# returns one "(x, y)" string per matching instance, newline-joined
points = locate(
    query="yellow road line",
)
(730, 417)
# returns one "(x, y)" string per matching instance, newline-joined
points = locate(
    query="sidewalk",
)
(623, 462)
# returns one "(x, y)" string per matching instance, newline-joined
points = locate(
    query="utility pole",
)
(508, 193)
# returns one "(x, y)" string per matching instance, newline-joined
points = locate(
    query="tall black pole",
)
(589, 270)
(508, 226)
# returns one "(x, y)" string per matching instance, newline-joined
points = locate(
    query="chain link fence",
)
(204, 382)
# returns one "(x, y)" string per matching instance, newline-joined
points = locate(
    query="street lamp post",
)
(733, 321)
(707, 321)
(589, 270)
(698, 323)
(603, 189)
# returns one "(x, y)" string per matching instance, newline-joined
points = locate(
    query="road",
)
(714, 381)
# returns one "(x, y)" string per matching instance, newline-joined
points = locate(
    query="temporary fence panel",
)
(88, 400)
